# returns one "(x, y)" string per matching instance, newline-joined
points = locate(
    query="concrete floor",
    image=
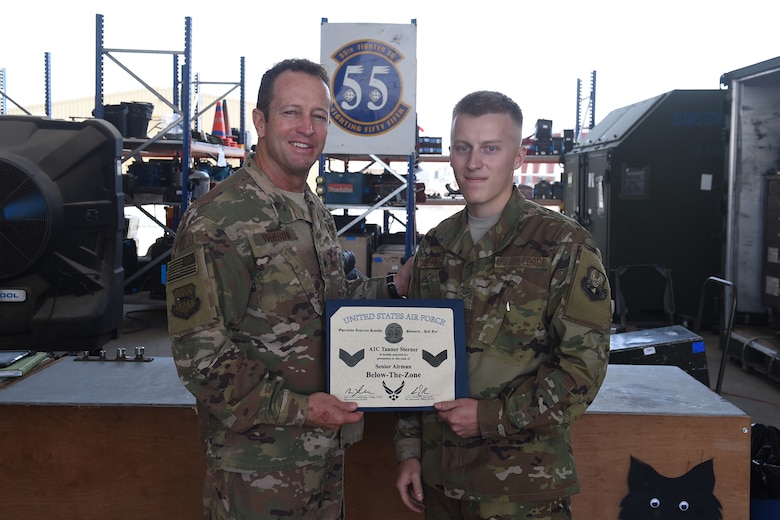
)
(752, 392)
(755, 394)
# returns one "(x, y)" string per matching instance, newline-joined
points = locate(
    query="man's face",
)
(484, 153)
(294, 134)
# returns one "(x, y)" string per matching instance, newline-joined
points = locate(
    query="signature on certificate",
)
(420, 390)
(357, 392)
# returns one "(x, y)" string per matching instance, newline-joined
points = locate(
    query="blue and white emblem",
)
(368, 88)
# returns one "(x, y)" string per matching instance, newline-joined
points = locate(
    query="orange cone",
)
(228, 130)
(218, 130)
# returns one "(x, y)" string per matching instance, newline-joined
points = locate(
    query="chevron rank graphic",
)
(352, 359)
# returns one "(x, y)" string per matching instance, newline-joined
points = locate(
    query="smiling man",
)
(538, 313)
(253, 262)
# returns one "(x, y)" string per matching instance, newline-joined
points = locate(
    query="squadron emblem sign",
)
(373, 71)
(368, 88)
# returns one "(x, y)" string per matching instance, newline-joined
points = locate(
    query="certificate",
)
(396, 354)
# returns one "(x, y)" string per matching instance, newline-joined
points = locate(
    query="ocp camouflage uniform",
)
(538, 313)
(247, 283)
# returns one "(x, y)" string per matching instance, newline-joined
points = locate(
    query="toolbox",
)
(673, 345)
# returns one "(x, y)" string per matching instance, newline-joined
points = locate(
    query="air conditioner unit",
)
(61, 230)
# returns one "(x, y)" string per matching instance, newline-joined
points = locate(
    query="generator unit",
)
(648, 182)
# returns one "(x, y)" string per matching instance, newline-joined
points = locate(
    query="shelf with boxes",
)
(157, 177)
(171, 147)
(153, 191)
(353, 187)
(377, 184)
(376, 254)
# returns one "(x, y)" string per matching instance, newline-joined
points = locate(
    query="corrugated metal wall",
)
(81, 108)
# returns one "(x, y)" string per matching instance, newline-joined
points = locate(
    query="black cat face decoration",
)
(652, 496)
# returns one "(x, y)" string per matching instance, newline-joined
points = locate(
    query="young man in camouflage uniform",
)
(538, 313)
(253, 263)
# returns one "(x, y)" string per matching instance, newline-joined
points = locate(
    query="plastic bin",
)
(117, 116)
(138, 117)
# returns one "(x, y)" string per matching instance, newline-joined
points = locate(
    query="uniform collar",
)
(286, 210)
(496, 239)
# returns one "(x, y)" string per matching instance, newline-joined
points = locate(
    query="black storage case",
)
(674, 345)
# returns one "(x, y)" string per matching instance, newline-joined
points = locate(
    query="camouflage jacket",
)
(538, 313)
(246, 288)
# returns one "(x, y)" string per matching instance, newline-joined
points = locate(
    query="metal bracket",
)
(121, 355)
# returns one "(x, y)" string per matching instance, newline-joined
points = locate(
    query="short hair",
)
(265, 93)
(485, 102)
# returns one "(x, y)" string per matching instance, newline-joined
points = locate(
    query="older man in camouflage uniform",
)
(253, 263)
(538, 313)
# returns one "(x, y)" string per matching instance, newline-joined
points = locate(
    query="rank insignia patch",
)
(594, 283)
(186, 302)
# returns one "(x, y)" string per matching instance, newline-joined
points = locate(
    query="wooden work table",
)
(100, 440)
(119, 440)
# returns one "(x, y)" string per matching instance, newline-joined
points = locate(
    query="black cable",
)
(145, 325)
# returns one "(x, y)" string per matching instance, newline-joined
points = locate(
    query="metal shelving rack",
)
(407, 184)
(180, 104)
(47, 91)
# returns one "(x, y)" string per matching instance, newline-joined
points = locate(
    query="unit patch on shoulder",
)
(185, 302)
(594, 283)
(588, 300)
